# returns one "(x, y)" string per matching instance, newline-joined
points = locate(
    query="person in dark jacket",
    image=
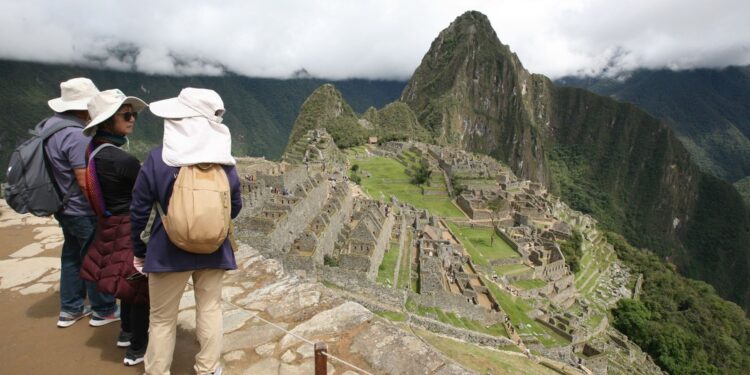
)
(193, 134)
(110, 175)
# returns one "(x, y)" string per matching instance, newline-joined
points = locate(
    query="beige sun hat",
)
(105, 104)
(191, 102)
(75, 94)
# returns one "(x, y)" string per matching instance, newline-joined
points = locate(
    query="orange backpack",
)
(199, 219)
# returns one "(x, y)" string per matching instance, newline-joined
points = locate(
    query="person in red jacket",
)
(110, 175)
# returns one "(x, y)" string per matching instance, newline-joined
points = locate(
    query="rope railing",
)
(321, 349)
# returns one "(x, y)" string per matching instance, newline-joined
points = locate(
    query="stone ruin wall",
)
(458, 305)
(381, 245)
(327, 238)
(354, 282)
(302, 214)
(462, 334)
(278, 240)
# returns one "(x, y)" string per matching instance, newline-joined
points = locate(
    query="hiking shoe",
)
(67, 319)
(98, 320)
(134, 357)
(123, 339)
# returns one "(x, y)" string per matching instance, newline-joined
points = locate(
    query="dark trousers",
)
(135, 320)
(78, 231)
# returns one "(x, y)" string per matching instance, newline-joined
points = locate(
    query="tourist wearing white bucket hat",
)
(65, 151)
(110, 176)
(193, 135)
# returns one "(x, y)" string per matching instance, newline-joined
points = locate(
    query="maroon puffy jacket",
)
(109, 261)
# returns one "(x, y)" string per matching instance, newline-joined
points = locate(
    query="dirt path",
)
(31, 342)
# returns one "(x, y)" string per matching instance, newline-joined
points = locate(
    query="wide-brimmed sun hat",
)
(75, 94)
(191, 102)
(105, 104)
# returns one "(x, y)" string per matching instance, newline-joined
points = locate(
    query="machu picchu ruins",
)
(485, 266)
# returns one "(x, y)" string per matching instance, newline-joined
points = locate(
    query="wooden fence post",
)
(321, 366)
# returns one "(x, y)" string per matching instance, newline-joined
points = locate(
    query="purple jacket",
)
(154, 182)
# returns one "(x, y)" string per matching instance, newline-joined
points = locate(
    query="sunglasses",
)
(128, 115)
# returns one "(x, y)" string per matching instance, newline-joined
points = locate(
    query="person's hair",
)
(107, 124)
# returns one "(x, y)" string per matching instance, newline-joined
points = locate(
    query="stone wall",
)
(278, 241)
(507, 239)
(353, 262)
(327, 239)
(459, 333)
(383, 242)
(458, 305)
(354, 282)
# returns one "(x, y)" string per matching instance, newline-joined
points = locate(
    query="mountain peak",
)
(471, 91)
(324, 108)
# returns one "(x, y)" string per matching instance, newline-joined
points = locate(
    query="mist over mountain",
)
(260, 111)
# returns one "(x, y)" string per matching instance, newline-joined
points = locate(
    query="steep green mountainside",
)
(604, 157)
(327, 108)
(682, 323)
(470, 90)
(260, 112)
(709, 109)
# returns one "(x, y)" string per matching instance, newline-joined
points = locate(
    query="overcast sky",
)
(370, 39)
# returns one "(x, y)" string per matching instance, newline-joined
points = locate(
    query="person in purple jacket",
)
(65, 151)
(193, 134)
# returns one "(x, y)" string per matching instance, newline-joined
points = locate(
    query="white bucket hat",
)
(75, 93)
(191, 102)
(105, 104)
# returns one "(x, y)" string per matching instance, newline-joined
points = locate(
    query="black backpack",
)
(30, 186)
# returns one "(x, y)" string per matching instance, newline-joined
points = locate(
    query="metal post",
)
(321, 366)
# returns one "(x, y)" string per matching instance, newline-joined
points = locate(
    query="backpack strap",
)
(45, 133)
(94, 193)
(99, 148)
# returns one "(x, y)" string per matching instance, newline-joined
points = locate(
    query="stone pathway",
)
(259, 289)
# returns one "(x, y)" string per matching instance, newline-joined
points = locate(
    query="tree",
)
(422, 173)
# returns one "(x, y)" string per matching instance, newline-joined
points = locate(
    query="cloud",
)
(367, 38)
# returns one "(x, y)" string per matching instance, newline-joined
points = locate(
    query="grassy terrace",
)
(511, 269)
(483, 244)
(388, 177)
(594, 261)
(403, 272)
(517, 310)
(455, 320)
(483, 360)
(387, 267)
(529, 284)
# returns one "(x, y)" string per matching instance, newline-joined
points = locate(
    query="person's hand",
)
(138, 264)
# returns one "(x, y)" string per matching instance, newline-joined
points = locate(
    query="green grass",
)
(387, 267)
(455, 320)
(403, 272)
(511, 269)
(388, 178)
(392, 315)
(529, 284)
(483, 360)
(517, 310)
(482, 249)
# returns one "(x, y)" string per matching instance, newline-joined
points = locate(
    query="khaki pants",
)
(165, 290)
